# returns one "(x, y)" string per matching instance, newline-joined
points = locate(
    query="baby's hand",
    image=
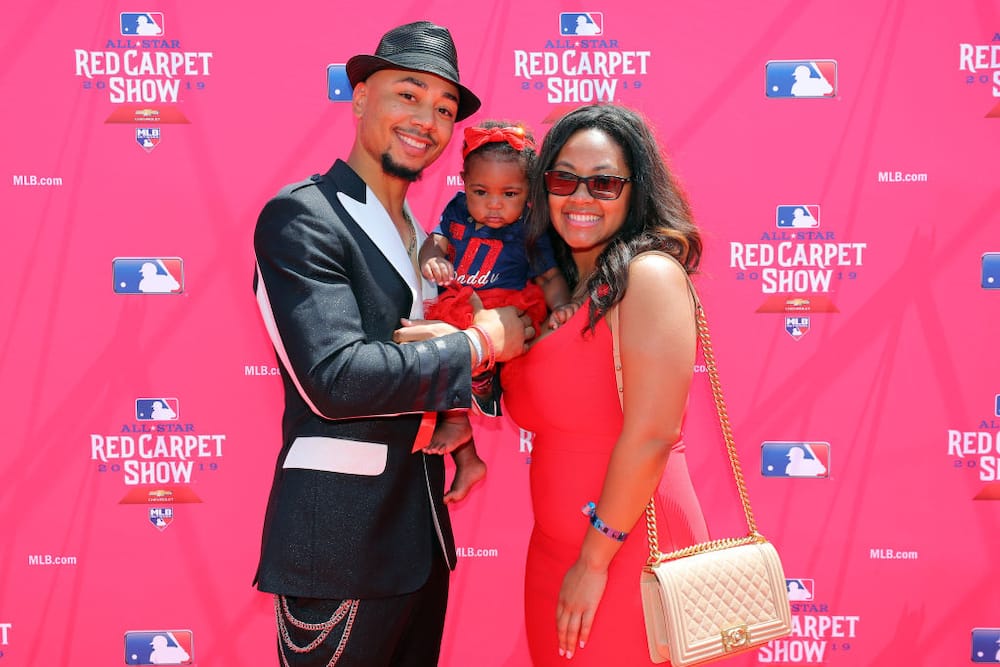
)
(560, 315)
(438, 271)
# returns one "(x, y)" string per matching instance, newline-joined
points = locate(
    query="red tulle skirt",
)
(454, 307)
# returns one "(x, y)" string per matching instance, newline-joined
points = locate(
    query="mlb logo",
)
(797, 216)
(991, 270)
(161, 517)
(148, 138)
(159, 647)
(801, 78)
(141, 23)
(338, 86)
(797, 326)
(800, 589)
(795, 459)
(156, 409)
(986, 645)
(148, 275)
(581, 23)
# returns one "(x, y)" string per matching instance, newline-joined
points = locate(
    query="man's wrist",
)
(488, 356)
(476, 347)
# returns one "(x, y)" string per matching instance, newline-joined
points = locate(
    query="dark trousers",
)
(398, 631)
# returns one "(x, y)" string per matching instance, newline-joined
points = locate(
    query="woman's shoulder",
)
(655, 276)
(656, 264)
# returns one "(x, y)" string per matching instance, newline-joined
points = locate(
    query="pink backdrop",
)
(881, 356)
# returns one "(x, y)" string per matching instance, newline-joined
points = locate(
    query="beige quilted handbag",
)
(714, 599)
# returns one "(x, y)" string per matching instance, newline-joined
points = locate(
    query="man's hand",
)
(507, 328)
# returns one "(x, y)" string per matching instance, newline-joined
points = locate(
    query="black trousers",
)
(399, 631)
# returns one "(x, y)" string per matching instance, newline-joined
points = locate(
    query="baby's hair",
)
(501, 150)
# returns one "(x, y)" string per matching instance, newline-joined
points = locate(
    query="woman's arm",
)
(657, 340)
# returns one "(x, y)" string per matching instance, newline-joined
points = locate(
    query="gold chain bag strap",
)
(718, 598)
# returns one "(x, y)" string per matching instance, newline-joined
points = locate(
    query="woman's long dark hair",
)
(658, 216)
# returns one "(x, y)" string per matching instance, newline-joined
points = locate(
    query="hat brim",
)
(360, 67)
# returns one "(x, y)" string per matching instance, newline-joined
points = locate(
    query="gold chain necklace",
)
(412, 246)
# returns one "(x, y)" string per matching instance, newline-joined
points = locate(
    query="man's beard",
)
(399, 171)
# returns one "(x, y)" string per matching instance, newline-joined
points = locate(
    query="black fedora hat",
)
(417, 47)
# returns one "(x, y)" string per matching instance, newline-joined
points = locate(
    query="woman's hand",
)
(561, 315)
(581, 593)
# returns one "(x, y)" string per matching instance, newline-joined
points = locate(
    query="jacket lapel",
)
(374, 221)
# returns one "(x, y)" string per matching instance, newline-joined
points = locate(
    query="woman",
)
(601, 185)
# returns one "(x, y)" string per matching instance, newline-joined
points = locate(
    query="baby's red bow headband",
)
(478, 136)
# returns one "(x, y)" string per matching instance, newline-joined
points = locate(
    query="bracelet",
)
(491, 352)
(590, 509)
(477, 346)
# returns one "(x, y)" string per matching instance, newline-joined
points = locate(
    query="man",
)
(357, 543)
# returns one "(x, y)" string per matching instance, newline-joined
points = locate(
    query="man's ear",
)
(359, 98)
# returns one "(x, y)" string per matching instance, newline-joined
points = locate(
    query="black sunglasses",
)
(600, 186)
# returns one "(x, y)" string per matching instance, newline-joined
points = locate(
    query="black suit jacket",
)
(352, 512)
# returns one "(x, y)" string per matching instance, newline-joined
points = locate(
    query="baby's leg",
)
(451, 431)
(469, 471)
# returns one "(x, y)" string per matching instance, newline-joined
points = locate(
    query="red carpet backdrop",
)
(841, 158)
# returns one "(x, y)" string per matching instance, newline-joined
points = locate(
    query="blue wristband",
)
(590, 510)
